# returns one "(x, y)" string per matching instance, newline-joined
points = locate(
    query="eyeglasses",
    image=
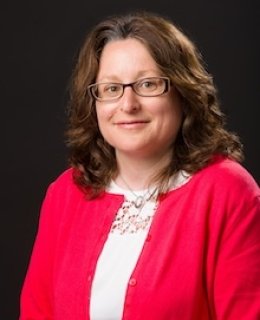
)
(146, 87)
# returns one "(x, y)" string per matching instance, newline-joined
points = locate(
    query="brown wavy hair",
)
(202, 134)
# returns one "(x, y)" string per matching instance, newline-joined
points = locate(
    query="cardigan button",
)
(132, 282)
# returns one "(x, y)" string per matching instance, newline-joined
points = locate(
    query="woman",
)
(156, 218)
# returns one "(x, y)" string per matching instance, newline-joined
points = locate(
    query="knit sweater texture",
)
(200, 260)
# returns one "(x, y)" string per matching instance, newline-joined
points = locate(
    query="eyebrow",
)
(140, 75)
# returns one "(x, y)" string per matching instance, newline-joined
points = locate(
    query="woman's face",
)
(143, 127)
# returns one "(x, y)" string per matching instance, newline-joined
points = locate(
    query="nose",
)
(129, 102)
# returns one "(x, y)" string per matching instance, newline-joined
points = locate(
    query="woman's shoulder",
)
(66, 176)
(63, 178)
(64, 183)
(227, 173)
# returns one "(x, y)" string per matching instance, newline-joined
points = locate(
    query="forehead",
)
(128, 58)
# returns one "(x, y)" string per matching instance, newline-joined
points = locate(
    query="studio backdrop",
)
(39, 44)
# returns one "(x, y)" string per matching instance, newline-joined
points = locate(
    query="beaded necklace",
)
(140, 199)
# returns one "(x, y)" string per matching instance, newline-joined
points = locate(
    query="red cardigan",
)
(201, 258)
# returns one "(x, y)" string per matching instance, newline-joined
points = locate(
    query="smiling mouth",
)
(131, 122)
(137, 124)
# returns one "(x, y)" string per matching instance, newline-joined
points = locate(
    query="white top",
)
(121, 251)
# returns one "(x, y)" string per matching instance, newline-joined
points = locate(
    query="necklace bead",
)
(139, 199)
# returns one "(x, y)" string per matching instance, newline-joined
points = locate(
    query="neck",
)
(138, 173)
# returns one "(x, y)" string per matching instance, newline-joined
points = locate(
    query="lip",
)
(132, 124)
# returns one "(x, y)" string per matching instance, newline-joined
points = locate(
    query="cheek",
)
(99, 116)
(171, 117)
(100, 120)
(102, 115)
(104, 112)
(176, 113)
(104, 120)
(170, 123)
(101, 124)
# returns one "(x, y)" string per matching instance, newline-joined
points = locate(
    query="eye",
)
(111, 88)
(148, 84)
